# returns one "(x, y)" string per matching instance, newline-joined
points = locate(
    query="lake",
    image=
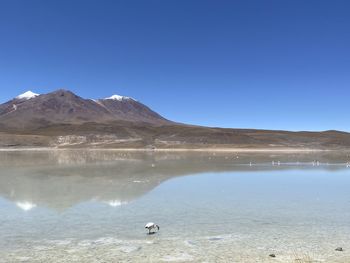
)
(92, 206)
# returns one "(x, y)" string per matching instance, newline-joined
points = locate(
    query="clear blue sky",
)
(245, 64)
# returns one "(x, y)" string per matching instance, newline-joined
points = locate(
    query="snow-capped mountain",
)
(27, 95)
(118, 97)
(62, 106)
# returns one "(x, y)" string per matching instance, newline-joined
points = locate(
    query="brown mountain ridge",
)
(63, 119)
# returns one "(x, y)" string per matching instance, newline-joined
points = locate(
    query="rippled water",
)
(91, 206)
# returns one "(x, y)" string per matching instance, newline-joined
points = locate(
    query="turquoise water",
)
(68, 206)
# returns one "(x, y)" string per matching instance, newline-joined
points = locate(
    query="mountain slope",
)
(129, 109)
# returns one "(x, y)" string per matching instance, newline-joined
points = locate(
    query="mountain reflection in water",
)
(59, 179)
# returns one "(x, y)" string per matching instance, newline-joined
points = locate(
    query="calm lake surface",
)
(91, 206)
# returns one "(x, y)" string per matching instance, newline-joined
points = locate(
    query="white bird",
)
(151, 226)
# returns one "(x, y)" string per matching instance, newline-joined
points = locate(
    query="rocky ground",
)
(131, 135)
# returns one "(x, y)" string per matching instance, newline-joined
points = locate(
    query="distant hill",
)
(63, 119)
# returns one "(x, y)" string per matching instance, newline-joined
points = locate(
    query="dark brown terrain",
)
(63, 119)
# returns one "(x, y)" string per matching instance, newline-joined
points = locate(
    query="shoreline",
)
(216, 150)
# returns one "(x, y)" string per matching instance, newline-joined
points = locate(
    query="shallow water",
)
(91, 206)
